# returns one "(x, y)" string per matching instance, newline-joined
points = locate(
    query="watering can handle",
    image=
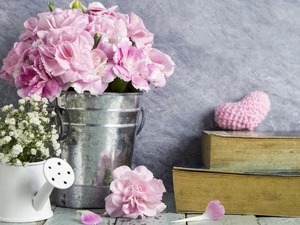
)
(61, 127)
(142, 121)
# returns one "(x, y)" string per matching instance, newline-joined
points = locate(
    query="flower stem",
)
(195, 218)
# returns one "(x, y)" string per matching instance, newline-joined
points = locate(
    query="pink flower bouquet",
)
(135, 193)
(88, 49)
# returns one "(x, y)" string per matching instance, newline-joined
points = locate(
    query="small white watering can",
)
(25, 191)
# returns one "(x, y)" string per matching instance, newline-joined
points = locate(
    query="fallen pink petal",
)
(89, 218)
(214, 211)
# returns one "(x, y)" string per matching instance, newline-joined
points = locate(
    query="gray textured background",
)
(223, 49)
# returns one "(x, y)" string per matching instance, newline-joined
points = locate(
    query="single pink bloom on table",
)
(135, 193)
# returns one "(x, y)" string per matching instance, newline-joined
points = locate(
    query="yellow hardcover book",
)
(240, 193)
(251, 151)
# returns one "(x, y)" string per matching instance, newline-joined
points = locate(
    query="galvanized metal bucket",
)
(98, 135)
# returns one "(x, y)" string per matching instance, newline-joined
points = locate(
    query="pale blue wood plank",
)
(226, 220)
(160, 219)
(67, 216)
(278, 221)
(32, 223)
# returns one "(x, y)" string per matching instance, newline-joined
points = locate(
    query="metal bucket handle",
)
(142, 121)
(61, 128)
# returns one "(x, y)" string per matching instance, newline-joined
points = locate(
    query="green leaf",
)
(77, 5)
(97, 38)
(118, 85)
(51, 6)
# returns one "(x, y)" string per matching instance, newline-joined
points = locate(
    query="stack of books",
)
(249, 172)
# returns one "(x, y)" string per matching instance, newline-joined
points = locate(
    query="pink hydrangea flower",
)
(135, 193)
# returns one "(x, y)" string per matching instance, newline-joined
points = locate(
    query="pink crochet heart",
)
(245, 114)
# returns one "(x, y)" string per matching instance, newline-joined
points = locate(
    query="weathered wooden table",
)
(67, 216)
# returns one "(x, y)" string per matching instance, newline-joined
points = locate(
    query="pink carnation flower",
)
(67, 54)
(57, 50)
(98, 79)
(130, 65)
(138, 32)
(9, 63)
(160, 67)
(97, 9)
(32, 78)
(135, 193)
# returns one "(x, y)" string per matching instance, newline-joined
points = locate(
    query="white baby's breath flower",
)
(11, 121)
(35, 121)
(56, 145)
(31, 115)
(17, 149)
(36, 98)
(45, 101)
(11, 127)
(33, 151)
(5, 108)
(45, 120)
(21, 126)
(21, 108)
(21, 101)
(6, 139)
(54, 137)
(38, 144)
(28, 127)
(58, 152)
(45, 151)
(4, 160)
(41, 129)
(18, 162)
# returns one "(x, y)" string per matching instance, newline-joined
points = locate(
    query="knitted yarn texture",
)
(245, 114)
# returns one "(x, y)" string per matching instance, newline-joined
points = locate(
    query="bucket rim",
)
(28, 164)
(104, 93)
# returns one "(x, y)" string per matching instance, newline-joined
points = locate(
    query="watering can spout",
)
(59, 174)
